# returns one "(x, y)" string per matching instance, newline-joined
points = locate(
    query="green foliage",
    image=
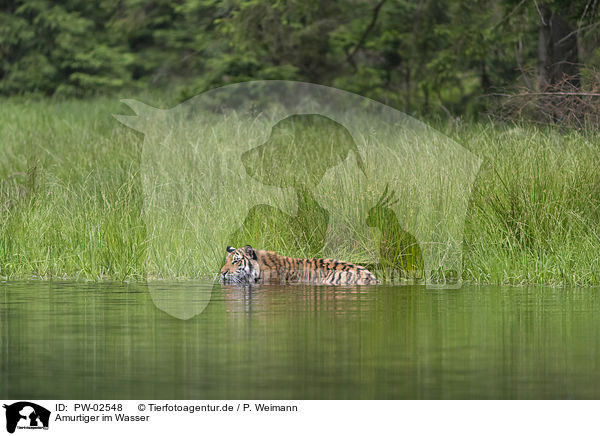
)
(71, 203)
(417, 55)
(60, 48)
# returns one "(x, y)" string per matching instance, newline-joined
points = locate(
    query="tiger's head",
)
(241, 266)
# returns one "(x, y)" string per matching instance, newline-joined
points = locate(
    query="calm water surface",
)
(106, 341)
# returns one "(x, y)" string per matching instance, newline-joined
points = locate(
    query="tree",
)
(557, 50)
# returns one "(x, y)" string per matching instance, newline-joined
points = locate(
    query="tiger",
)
(247, 266)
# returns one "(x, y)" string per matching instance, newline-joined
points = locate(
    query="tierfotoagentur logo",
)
(303, 169)
(26, 415)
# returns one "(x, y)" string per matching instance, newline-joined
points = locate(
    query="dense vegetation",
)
(70, 192)
(420, 56)
(72, 200)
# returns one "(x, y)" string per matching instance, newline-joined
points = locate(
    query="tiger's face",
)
(241, 266)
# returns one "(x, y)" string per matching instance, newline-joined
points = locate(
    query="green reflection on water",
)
(104, 341)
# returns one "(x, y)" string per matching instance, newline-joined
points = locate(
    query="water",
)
(107, 341)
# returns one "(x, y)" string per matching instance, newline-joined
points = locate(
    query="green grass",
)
(71, 202)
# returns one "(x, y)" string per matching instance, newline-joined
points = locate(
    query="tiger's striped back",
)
(275, 267)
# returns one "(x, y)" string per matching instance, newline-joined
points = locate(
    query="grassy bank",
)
(71, 200)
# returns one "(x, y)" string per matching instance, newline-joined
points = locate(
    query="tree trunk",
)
(545, 48)
(557, 51)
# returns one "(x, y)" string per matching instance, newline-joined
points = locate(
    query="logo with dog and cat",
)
(302, 169)
(25, 415)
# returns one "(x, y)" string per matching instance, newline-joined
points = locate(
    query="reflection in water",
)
(94, 341)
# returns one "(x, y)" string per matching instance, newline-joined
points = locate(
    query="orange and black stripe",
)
(275, 267)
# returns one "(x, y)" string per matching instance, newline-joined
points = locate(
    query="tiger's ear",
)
(230, 249)
(250, 252)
